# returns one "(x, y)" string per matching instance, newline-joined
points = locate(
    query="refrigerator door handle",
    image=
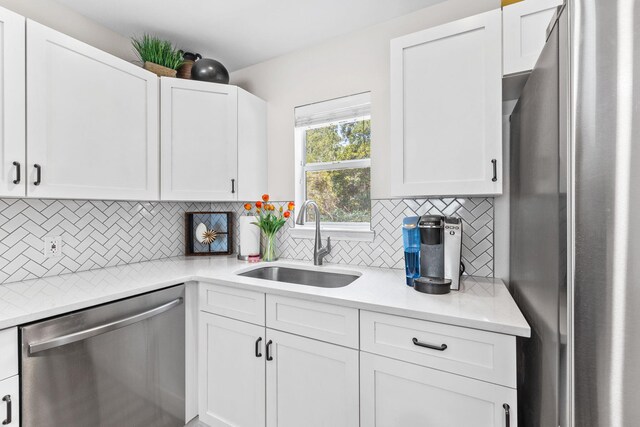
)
(101, 329)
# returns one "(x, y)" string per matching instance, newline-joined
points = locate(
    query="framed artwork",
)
(209, 233)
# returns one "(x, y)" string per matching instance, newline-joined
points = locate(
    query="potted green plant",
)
(158, 56)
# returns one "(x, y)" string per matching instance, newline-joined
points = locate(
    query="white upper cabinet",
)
(199, 140)
(252, 146)
(213, 142)
(524, 31)
(92, 122)
(12, 104)
(446, 106)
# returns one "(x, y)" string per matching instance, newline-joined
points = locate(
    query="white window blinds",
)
(334, 110)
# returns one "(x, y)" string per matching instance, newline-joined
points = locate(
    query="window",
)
(333, 161)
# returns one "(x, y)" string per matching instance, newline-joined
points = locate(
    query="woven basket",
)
(159, 70)
(184, 72)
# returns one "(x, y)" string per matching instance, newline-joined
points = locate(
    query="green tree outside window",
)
(343, 195)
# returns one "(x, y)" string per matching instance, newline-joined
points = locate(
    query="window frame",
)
(337, 230)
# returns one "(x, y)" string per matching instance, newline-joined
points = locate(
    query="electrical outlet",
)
(52, 246)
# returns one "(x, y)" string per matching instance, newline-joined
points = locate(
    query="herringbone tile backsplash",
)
(386, 219)
(99, 234)
(94, 234)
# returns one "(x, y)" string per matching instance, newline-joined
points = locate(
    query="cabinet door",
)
(252, 146)
(10, 402)
(92, 121)
(199, 140)
(401, 394)
(12, 99)
(446, 97)
(524, 32)
(8, 352)
(310, 383)
(232, 372)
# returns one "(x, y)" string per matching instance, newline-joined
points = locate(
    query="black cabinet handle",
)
(258, 352)
(269, 357)
(38, 174)
(441, 347)
(495, 170)
(7, 400)
(507, 415)
(18, 174)
(233, 186)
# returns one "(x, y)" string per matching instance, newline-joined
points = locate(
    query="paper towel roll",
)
(249, 236)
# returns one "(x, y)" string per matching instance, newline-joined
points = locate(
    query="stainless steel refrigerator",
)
(575, 247)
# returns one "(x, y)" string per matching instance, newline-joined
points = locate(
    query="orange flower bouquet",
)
(269, 221)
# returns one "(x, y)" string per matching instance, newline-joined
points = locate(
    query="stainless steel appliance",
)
(575, 256)
(453, 266)
(119, 364)
(440, 253)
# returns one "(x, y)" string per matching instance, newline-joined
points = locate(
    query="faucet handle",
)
(328, 247)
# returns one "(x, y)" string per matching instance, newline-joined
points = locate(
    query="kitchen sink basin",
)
(321, 279)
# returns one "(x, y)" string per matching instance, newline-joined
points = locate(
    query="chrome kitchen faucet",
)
(319, 252)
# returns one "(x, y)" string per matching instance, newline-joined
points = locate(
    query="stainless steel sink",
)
(321, 279)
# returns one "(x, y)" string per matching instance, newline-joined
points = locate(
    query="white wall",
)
(68, 21)
(357, 62)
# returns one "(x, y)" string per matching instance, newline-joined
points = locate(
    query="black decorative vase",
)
(209, 70)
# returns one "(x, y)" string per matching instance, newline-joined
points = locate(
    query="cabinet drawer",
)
(232, 302)
(8, 353)
(325, 322)
(477, 354)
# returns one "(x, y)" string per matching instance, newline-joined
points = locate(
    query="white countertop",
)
(483, 303)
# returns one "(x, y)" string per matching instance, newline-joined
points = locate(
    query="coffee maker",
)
(440, 253)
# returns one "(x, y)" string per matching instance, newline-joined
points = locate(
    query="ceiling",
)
(243, 32)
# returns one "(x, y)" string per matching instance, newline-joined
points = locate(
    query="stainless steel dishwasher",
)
(118, 364)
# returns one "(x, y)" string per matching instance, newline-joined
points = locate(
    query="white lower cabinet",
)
(394, 393)
(8, 353)
(310, 383)
(232, 372)
(10, 402)
(252, 376)
(410, 372)
(307, 382)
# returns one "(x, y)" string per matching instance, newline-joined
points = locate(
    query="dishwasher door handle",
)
(101, 329)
